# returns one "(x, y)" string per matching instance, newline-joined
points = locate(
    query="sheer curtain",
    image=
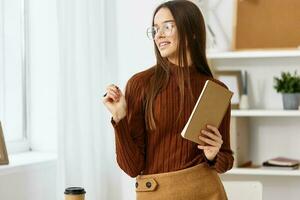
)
(86, 155)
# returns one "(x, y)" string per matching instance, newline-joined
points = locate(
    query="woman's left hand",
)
(214, 141)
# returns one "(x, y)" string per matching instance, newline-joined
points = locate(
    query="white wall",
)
(135, 50)
(43, 66)
(30, 183)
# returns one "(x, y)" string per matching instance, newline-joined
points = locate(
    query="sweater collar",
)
(175, 68)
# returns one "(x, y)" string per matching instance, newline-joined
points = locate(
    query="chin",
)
(165, 54)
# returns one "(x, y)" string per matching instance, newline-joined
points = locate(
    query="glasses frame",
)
(160, 30)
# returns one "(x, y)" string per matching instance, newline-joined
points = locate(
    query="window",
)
(13, 106)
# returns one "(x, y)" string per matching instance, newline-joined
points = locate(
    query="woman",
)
(157, 103)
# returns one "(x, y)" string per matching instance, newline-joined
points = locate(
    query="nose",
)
(159, 34)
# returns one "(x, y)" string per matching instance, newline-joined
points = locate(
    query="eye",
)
(168, 26)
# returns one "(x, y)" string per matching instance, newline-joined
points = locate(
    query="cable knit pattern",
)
(164, 150)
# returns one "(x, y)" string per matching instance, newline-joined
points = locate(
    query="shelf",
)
(254, 54)
(28, 160)
(265, 113)
(263, 172)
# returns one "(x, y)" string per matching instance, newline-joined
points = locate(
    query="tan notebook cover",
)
(209, 109)
(3, 152)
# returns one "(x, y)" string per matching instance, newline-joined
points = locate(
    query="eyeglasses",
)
(166, 29)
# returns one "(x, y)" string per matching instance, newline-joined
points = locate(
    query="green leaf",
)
(287, 83)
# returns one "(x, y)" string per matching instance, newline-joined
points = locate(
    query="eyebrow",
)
(170, 20)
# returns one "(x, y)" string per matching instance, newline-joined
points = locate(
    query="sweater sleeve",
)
(130, 131)
(224, 158)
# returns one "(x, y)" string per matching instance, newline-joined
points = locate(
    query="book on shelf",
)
(281, 163)
(269, 166)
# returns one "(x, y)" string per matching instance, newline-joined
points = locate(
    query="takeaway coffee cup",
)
(74, 193)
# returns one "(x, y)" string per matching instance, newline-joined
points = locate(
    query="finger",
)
(111, 96)
(210, 148)
(113, 88)
(209, 141)
(212, 136)
(110, 86)
(116, 94)
(214, 129)
(203, 147)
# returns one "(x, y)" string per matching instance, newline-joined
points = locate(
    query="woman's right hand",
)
(115, 102)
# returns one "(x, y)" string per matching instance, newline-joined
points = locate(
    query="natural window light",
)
(13, 74)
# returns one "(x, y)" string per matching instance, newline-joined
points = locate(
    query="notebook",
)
(282, 161)
(210, 109)
(3, 152)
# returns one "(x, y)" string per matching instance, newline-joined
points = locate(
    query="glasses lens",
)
(151, 32)
(167, 28)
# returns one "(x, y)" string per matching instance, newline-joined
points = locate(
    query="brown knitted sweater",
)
(164, 150)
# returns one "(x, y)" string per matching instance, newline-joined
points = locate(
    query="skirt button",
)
(148, 185)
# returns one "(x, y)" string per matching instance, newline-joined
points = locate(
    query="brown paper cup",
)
(74, 197)
(74, 193)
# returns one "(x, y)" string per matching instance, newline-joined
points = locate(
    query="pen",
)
(115, 87)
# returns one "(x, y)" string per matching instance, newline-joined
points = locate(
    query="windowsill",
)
(28, 160)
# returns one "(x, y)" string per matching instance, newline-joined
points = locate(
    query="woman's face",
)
(166, 37)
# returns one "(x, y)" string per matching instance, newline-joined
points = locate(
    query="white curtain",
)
(1, 60)
(86, 155)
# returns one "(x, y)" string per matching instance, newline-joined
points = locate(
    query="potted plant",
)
(289, 86)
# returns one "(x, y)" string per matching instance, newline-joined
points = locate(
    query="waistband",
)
(150, 182)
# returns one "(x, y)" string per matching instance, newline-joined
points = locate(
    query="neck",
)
(175, 59)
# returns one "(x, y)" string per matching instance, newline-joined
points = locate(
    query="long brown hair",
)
(191, 34)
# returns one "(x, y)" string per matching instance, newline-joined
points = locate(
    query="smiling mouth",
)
(163, 44)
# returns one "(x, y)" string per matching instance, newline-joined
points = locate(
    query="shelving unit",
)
(242, 119)
(263, 172)
(265, 113)
(237, 115)
(254, 54)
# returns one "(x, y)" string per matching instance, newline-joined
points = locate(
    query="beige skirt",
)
(195, 183)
